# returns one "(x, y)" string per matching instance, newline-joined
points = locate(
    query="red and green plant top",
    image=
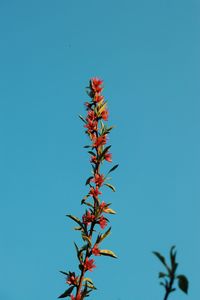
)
(93, 225)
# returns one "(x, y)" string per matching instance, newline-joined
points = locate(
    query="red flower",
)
(89, 264)
(96, 85)
(98, 179)
(91, 115)
(99, 141)
(104, 115)
(102, 205)
(91, 126)
(72, 279)
(96, 251)
(94, 192)
(98, 98)
(88, 218)
(108, 157)
(102, 222)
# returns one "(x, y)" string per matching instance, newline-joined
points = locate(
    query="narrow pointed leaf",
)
(77, 220)
(88, 279)
(67, 292)
(108, 253)
(92, 153)
(110, 211)
(113, 168)
(91, 286)
(64, 273)
(173, 257)
(83, 119)
(104, 235)
(88, 180)
(87, 146)
(78, 228)
(160, 257)
(110, 186)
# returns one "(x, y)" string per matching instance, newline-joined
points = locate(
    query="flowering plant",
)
(95, 216)
(95, 219)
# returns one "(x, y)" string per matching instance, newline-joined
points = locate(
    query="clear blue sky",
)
(147, 52)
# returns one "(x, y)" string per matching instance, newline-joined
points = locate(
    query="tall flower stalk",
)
(94, 219)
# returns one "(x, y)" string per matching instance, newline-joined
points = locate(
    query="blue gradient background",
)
(147, 52)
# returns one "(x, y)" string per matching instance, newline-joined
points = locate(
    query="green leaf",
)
(108, 253)
(160, 257)
(173, 258)
(183, 283)
(83, 119)
(92, 153)
(89, 283)
(87, 146)
(161, 275)
(88, 280)
(64, 273)
(109, 129)
(110, 186)
(104, 235)
(91, 286)
(77, 249)
(77, 220)
(110, 211)
(78, 228)
(67, 293)
(88, 180)
(113, 168)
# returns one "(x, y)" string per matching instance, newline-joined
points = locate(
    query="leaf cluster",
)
(169, 277)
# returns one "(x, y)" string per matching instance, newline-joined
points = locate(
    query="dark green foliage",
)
(170, 276)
